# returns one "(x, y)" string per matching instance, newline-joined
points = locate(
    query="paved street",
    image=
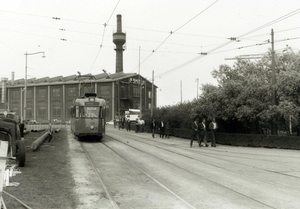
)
(144, 172)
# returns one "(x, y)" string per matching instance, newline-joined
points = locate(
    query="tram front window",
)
(91, 112)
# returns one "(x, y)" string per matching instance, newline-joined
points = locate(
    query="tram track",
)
(211, 164)
(108, 194)
(221, 158)
(139, 146)
(188, 171)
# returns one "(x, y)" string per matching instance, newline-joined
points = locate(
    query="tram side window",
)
(102, 112)
(77, 112)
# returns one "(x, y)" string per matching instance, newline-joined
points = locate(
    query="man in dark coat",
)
(195, 132)
(213, 126)
(202, 128)
(161, 129)
(153, 127)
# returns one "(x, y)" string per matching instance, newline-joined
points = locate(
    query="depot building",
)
(50, 99)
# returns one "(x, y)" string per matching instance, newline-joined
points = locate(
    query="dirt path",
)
(88, 188)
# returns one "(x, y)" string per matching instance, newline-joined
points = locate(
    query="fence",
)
(40, 126)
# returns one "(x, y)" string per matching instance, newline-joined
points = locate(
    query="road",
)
(138, 171)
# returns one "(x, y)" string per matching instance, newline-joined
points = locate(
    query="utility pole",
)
(197, 80)
(140, 84)
(152, 92)
(273, 83)
(181, 91)
(25, 84)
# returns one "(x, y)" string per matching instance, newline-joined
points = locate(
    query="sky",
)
(180, 42)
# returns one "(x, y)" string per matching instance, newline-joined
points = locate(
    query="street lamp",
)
(25, 85)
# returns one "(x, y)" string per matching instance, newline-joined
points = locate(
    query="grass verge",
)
(46, 180)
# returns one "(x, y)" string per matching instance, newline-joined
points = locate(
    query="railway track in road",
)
(153, 143)
(113, 201)
(108, 194)
(223, 157)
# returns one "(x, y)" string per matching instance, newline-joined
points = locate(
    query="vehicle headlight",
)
(92, 127)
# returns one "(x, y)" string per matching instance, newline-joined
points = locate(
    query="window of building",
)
(149, 94)
(29, 93)
(72, 92)
(104, 91)
(122, 104)
(42, 93)
(42, 110)
(56, 109)
(122, 92)
(56, 92)
(29, 110)
(136, 91)
(68, 108)
(87, 89)
(15, 94)
(15, 107)
(149, 105)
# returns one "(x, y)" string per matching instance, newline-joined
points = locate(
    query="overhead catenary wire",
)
(101, 45)
(215, 49)
(172, 32)
(105, 24)
(82, 41)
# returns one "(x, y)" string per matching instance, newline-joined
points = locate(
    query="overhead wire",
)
(105, 24)
(214, 49)
(172, 32)
(47, 17)
(164, 41)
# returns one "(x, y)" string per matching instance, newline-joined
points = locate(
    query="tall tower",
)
(119, 38)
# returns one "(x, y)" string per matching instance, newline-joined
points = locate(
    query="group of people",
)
(126, 123)
(199, 131)
(163, 128)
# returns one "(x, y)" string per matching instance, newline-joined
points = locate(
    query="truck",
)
(132, 115)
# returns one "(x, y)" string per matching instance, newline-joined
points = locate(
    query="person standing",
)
(213, 126)
(202, 127)
(195, 132)
(153, 127)
(168, 129)
(161, 129)
(128, 125)
(137, 125)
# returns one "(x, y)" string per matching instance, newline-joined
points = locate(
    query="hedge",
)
(247, 140)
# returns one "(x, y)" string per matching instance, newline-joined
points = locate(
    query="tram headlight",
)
(92, 127)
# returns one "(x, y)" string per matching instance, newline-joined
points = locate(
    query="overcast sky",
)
(164, 36)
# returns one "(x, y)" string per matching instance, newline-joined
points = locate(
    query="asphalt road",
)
(138, 171)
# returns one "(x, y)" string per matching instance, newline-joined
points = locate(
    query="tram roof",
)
(82, 100)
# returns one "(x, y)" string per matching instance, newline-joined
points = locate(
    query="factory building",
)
(49, 99)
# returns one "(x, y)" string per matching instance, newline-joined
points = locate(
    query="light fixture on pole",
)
(25, 84)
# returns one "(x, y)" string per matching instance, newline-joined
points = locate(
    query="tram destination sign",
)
(91, 103)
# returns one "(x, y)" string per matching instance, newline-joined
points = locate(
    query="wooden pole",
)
(274, 91)
(152, 92)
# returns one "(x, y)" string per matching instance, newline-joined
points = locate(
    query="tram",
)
(88, 116)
